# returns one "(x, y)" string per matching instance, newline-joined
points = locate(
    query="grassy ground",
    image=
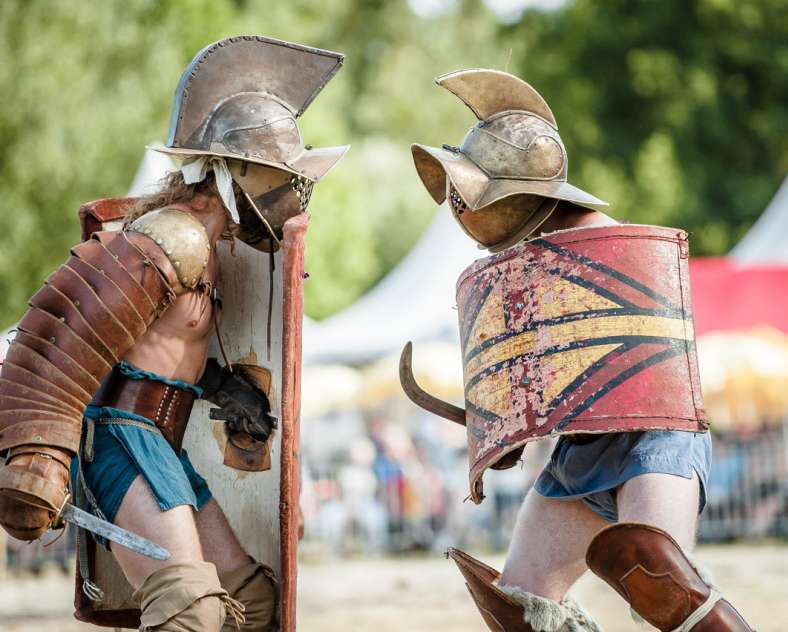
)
(425, 594)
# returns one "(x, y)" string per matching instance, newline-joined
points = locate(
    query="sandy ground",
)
(427, 594)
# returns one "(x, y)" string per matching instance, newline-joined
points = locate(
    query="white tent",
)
(767, 241)
(415, 301)
(153, 167)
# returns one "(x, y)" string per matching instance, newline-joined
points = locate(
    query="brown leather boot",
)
(651, 572)
(509, 609)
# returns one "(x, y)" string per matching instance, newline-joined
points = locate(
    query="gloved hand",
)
(242, 405)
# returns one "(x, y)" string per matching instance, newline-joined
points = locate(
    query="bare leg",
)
(174, 529)
(219, 543)
(547, 552)
(662, 500)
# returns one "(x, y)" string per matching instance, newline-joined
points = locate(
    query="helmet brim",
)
(477, 189)
(312, 164)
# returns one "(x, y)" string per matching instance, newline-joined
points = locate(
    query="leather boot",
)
(510, 609)
(651, 572)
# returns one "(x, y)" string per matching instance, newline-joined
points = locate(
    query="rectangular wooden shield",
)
(582, 331)
(261, 506)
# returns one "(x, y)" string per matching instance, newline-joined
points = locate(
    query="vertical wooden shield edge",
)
(289, 487)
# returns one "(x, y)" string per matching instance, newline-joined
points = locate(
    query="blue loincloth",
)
(122, 451)
(594, 471)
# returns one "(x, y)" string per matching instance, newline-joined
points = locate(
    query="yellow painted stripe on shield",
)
(575, 331)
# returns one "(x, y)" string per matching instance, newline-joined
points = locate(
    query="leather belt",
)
(167, 406)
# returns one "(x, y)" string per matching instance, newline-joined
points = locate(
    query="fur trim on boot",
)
(543, 615)
(579, 620)
(546, 615)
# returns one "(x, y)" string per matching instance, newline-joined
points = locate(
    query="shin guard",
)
(651, 572)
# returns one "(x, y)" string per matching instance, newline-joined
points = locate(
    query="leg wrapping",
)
(185, 598)
(252, 585)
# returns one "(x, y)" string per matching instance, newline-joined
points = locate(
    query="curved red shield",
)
(582, 331)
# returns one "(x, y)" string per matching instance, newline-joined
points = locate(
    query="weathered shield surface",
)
(261, 506)
(587, 330)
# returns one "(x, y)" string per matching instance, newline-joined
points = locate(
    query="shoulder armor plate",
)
(182, 238)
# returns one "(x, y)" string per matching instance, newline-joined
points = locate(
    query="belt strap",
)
(165, 405)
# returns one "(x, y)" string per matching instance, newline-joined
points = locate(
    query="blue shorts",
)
(121, 452)
(594, 471)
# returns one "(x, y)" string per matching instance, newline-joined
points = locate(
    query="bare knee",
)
(547, 553)
(218, 540)
(666, 501)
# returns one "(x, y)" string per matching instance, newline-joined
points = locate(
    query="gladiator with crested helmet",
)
(576, 328)
(97, 386)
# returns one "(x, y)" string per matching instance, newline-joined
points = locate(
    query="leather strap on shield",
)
(650, 571)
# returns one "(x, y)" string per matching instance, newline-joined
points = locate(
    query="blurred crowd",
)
(378, 484)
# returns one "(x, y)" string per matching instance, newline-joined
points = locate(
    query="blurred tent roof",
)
(415, 301)
(767, 241)
(153, 167)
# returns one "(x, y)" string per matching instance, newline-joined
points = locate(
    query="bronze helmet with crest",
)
(508, 174)
(239, 99)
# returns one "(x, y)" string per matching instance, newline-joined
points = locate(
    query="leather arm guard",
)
(89, 313)
(244, 407)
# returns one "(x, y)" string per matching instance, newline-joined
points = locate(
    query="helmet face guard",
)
(503, 223)
(274, 196)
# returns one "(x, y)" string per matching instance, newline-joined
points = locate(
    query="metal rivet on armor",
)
(76, 302)
(52, 339)
(177, 264)
(158, 241)
(62, 319)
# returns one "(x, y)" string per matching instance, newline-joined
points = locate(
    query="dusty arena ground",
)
(426, 594)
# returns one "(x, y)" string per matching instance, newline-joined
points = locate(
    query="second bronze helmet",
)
(510, 171)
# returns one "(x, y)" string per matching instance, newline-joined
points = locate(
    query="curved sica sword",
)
(419, 396)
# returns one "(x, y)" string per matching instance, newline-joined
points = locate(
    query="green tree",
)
(675, 111)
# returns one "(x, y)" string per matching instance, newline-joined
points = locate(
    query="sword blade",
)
(111, 532)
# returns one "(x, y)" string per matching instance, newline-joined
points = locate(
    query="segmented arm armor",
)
(87, 315)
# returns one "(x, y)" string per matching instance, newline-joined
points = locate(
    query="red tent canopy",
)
(727, 295)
